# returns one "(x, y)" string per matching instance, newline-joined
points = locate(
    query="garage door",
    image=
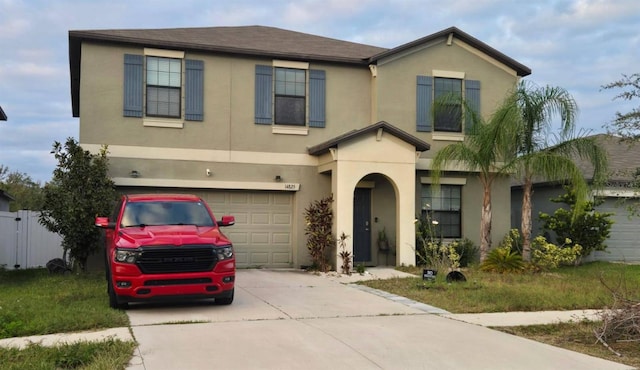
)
(262, 235)
(623, 243)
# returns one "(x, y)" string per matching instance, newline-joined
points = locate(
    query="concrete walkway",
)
(282, 319)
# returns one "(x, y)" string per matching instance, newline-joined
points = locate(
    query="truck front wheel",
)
(114, 301)
(223, 301)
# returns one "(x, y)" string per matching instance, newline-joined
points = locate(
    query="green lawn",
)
(32, 302)
(568, 288)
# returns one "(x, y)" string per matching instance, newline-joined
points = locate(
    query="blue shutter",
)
(133, 85)
(472, 97)
(424, 101)
(317, 98)
(264, 94)
(194, 90)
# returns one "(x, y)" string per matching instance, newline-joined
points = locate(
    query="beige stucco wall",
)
(234, 148)
(396, 82)
(229, 106)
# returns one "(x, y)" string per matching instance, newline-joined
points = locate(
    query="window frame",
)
(457, 110)
(166, 87)
(433, 209)
(286, 84)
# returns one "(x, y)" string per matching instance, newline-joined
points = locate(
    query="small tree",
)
(587, 228)
(27, 193)
(627, 124)
(79, 191)
(318, 218)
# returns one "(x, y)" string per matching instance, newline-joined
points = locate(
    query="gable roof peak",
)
(420, 145)
(453, 31)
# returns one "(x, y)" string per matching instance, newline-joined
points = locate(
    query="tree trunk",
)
(485, 223)
(525, 225)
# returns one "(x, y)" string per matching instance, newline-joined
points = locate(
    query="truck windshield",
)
(166, 213)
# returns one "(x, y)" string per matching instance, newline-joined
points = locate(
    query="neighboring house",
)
(3, 116)
(262, 121)
(619, 192)
(5, 199)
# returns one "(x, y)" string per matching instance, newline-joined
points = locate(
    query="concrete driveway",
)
(292, 320)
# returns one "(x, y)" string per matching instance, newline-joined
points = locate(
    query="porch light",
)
(278, 178)
(134, 174)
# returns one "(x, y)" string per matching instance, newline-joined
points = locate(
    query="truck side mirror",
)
(104, 223)
(227, 221)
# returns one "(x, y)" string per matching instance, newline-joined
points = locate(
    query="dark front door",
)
(362, 225)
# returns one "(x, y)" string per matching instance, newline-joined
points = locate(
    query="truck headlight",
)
(126, 256)
(224, 253)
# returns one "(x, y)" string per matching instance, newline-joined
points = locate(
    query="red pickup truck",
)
(167, 246)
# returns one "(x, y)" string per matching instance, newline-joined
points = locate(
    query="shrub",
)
(588, 228)
(512, 240)
(318, 218)
(469, 253)
(504, 259)
(431, 250)
(547, 256)
(345, 254)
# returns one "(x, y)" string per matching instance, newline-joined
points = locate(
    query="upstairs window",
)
(164, 84)
(159, 84)
(290, 96)
(449, 116)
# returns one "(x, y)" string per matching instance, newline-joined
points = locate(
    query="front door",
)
(362, 225)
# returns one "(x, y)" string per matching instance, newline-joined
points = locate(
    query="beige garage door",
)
(262, 235)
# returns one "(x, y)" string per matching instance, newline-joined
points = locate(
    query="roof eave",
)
(322, 148)
(520, 68)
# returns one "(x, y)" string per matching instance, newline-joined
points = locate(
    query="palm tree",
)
(536, 158)
(487, 149)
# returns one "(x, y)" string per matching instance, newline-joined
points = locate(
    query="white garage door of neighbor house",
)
(263, 233)
(623, 244)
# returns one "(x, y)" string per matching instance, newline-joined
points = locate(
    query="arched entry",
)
(362, 156)
(374, 221)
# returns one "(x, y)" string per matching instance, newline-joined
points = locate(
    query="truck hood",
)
(170, 235)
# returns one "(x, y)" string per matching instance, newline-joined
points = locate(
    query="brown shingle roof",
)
(623, 158)
(249, 40)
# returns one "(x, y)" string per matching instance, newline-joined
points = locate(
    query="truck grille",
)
(173, 259)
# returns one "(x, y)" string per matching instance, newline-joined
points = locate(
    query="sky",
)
(579, 45)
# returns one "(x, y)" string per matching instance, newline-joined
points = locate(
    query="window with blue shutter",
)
(194, 90)
(164, 87)
(317, 98)
(448, 117)
(264, 94)
(281, 96)
(133, 85)
(472, 97)
(424, 102)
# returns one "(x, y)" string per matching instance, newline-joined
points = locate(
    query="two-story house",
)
(262, 121)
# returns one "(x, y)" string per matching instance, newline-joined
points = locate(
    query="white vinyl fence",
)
(24, 243)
